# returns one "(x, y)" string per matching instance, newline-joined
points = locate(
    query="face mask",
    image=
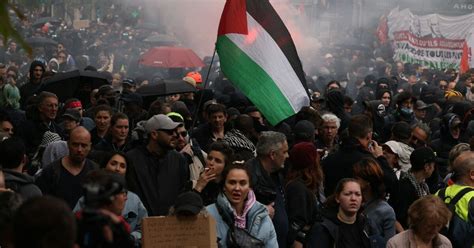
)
(406, 111)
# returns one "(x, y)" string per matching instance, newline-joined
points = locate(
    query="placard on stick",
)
(169, 231)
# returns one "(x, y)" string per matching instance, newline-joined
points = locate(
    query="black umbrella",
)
(165, 88)
(41, 21)
(73, 83)
(41, 42)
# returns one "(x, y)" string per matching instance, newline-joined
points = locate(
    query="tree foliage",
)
(6, 28)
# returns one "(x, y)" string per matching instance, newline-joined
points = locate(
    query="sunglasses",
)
(183, 134)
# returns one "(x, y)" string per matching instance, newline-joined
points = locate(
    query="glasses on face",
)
(183, 134)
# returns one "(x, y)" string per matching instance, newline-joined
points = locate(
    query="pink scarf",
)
(241, 221)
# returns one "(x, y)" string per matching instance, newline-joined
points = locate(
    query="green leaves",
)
(6, 28)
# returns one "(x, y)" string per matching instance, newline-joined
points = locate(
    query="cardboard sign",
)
(170, 231)
(78, 24)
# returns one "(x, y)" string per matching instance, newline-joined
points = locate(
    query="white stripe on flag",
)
(262, 49)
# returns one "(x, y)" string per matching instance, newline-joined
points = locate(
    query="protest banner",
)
(434, 41)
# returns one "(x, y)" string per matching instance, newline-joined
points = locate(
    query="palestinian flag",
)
(257, 54)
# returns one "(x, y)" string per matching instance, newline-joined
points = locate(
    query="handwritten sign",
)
(187, 232)
(78, 24)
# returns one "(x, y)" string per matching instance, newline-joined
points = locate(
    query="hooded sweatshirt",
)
(22, 184)
(31, 87)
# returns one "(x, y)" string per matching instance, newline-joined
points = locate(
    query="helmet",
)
(196, 76)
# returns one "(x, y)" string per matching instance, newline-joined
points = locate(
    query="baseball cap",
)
(394, 147)
(188, 203)
(73, 114)
(129, 81)
(304, 129)
(420, 156)
(160, 122)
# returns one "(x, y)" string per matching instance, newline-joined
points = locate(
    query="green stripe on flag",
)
(253, 81)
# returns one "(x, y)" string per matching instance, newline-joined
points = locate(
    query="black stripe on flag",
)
(264, 13)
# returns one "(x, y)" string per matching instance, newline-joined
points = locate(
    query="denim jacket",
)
(258, 224)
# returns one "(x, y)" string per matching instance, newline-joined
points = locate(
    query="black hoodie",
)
(30, 88)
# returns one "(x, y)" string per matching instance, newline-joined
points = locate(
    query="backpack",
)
(458, 231)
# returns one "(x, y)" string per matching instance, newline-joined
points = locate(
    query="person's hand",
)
(205, 177)
(375, 149)
(271, 210)
(297, 244)
(187, 149)
(115, 219)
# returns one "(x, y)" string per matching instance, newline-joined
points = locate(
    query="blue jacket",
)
(259, 223)
(133, 213)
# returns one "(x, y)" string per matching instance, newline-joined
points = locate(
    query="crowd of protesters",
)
(381, 158)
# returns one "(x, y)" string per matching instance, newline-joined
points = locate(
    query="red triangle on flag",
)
(234, 18)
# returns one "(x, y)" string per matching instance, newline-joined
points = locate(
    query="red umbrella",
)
(171, 57)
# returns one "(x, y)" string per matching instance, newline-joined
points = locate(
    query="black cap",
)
(129, 81)
(304, 129)
(420, 156)
(73, 114)
(188, 203)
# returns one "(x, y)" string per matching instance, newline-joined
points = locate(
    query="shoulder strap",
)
(225, 217)
(459, 195)
(197, 151)
(442, 194)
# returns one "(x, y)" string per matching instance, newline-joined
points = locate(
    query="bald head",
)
(463, 166)
(79, 145)
(80, 132)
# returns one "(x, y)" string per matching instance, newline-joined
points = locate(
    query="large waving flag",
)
(257, 54)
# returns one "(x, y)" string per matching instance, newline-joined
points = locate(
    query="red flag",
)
(464, 65)
(382, 30)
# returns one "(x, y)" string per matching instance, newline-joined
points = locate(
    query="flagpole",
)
(204, 87)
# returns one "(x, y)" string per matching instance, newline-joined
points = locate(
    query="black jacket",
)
(157, 180)
(402, 200)
(339, 165)
(269, 188)
(32, 131)
(302, 209)
(326, 233)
